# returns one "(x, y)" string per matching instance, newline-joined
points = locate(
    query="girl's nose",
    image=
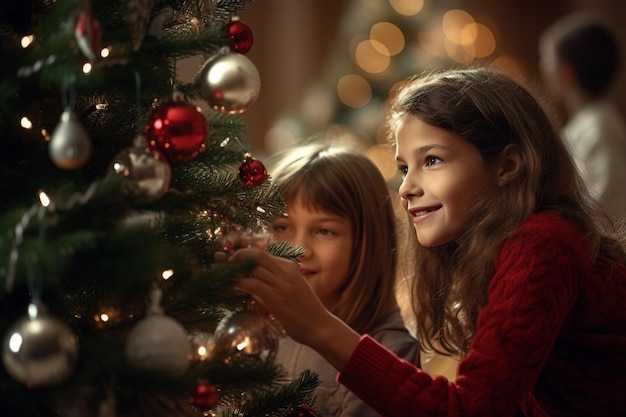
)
(409, 187)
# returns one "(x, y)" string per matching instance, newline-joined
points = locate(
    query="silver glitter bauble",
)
(40, 350)
(229, 82)
(247, 335)
(146, 172)
(70, 145)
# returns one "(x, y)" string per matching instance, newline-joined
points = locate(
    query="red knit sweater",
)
(551, 341)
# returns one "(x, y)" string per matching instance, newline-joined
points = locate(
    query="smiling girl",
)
(512, 273)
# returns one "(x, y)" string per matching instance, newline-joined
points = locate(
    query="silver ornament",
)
(246, 335)
(70, 145)
(40, 350)
(146, 172)
(229, 82)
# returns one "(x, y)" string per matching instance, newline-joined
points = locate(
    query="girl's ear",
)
(509, 164)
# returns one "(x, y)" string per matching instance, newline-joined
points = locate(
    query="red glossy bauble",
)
(252, 172)
(204, 396)
(178, 129)
(240, 36)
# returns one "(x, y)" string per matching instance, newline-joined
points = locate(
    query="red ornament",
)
(252, 172)
(178, 129)
(204, 396)
(300, 412)
(88, 33)
(240, 36)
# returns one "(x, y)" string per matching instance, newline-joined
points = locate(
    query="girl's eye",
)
(432, 160)
(325, 232)
(403, 170)
(279, 228)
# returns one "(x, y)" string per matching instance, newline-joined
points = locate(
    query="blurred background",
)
(327, 66)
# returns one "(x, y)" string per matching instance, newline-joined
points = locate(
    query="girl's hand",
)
(278, 285)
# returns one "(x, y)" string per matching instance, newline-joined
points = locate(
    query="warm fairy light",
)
(260, 209)
(87, 68)
(46, 135)
(202, 352)
(244, 344)
(469, 34)
(27, 40)
(26, 123)
(388, 35)
(354, 90)
(44, 199)
(485, 44)
(105, 52)
(167, 274)
(407, 7)
(453, 23)
(369, 57)
(104, 317)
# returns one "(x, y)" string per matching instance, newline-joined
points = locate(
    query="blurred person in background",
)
(579, 59)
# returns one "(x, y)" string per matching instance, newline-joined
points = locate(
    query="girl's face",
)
(443, 175)
(327, 242)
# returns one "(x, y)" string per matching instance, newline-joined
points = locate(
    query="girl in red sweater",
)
(513, 273)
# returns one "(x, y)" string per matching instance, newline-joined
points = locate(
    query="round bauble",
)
(40, 350)
(178, 129)
(158, 343)
(245, 335)
(252, 172)
(204, 395)
(146, 172)
(240, 36)
(229, 82)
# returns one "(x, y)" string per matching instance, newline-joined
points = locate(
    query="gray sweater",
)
(333, 399)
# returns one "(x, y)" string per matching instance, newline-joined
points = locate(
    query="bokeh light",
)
(453, 23)
(407, 7)
(389, 35)
(354, 91)
(369, 58)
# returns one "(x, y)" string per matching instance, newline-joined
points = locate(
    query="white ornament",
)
(158, 342)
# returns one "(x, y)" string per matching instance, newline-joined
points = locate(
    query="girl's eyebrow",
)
(427, 148)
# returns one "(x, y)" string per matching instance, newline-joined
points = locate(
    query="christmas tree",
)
(118, 183)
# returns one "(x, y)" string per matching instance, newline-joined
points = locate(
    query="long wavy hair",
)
(491, 111)
(343, 181)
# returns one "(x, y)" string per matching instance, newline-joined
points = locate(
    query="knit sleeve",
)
(534, 288)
